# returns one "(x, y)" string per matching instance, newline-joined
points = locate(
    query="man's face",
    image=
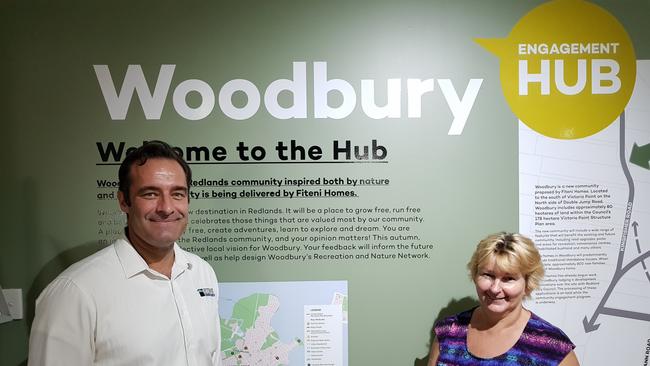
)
(157, 216)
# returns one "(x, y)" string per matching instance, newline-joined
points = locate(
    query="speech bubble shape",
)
(567, 68)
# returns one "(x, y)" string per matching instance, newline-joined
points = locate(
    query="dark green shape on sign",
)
(641, 155)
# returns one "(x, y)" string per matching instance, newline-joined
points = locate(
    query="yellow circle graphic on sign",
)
(567, 68)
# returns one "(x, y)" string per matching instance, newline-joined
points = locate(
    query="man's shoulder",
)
(83, 276)
(93, 265)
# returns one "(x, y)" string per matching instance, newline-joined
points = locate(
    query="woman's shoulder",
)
(539, 325)
(544, 333)
(454, 325)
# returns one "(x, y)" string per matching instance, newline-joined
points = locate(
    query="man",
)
(142, 300)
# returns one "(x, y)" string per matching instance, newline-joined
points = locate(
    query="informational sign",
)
(585, 202)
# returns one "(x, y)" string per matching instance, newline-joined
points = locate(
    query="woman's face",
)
(499, 292)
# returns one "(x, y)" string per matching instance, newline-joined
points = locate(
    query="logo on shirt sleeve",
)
(208, 291)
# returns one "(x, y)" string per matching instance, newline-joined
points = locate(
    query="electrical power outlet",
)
(14, 298)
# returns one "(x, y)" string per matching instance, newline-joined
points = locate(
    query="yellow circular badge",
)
(567, 68)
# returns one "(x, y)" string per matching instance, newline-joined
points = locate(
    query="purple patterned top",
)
(540, 344)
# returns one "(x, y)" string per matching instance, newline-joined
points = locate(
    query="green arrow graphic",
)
(641, 155)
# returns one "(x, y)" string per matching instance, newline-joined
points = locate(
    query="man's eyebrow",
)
(158, 189)
(148, 188)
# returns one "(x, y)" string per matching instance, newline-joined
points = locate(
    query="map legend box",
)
(323, 335)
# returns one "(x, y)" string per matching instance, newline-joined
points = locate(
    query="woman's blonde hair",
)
(512, 253)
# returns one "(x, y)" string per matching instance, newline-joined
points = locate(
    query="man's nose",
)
(165, 205)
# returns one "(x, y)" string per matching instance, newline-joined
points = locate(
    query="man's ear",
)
(122, 200)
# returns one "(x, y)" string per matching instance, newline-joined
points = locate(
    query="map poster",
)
(586, 204)
(284, 323)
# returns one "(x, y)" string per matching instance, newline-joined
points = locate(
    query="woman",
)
(505, 268)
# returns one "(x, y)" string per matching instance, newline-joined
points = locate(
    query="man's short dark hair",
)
(149, 150)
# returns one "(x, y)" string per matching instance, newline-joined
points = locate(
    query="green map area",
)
(247, 337)
(244, 314)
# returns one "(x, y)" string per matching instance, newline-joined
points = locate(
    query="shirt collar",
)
(181, 262)
(133, 264)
